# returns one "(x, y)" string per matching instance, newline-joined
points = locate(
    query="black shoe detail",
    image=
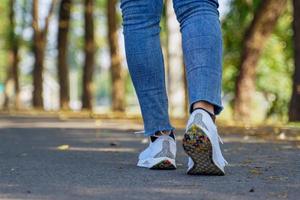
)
(155, 136)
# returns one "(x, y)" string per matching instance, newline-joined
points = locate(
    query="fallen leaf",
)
(63, 147)
(255, 171)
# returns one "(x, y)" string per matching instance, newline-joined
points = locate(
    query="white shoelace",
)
(139, 132)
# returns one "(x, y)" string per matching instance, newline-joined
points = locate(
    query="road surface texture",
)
(48, 158)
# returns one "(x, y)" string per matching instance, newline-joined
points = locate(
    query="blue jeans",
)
(202, 52)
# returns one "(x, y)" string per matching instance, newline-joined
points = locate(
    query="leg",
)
(202, 49)
(145, 61)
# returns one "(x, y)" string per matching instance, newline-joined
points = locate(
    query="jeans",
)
(202, 53)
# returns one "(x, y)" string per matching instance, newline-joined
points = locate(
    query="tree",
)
(255, 38)
(12, 80)
(39, 45)
(62, 46)
(294, 109)
(116, 71)
(89, 49)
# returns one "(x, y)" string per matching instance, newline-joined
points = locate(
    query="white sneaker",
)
(201, 143)
(160, 154)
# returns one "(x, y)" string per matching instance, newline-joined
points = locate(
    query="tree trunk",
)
(294, 110)
(89, 49)
(12, 81)
(38, 51)
(62, 46)
(116, 71)
(39, 44)
(15, 68)
(256, 36)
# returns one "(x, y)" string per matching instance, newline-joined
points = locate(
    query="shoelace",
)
(220, 139)
(139, 132)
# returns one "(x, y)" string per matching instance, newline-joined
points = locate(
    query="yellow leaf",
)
(63, 147)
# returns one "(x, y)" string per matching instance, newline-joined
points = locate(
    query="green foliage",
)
(275, 65)
(273, 72)
(76, 43)
(234, 27)
(103, 91)
(275, 68)
(4, 33)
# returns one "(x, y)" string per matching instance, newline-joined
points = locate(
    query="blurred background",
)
(68, 56)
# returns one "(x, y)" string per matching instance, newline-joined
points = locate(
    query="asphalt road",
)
(47, 158)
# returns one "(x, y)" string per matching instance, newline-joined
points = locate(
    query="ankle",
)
(205, 106)
(161, 133)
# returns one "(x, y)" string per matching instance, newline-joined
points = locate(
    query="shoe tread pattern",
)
(198, 146)
(164, 165)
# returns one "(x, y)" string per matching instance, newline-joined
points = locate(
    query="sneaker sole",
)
(198, 146)
(164, 165)
(158, 163)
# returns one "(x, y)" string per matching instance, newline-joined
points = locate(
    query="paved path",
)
(48, 158)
